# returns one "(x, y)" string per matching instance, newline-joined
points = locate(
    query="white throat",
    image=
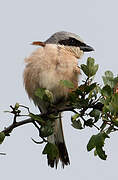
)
(74, 50)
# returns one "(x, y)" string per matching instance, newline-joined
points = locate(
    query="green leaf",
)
(91, 143)
(100, 138)
(112, 109)
(115, 80)
(67, 84)
(108, 79)
(16, 106)
(101, 153)
(45, 95)
(105, 109)
(95, 113)
(81, 103)
(93, 70)
(97, 142)
(89, 122)
(105, 80)
(109, 74)
(2, 137)
(76, 124)
(47, 129)
(37, 118)
(115, 98)
(114, 103)
(90, 88)
(91, 67)
(78, 92)
(90, 62)
(96, 68)
(105, 100)
(40, 92)
(74, 117)
(49, 95)
(85, 69)
(106, 91)
(51, 150)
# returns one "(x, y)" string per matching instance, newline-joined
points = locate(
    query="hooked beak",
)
(38, 43)
(86, 48)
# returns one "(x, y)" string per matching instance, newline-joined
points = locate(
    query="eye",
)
(71, 41)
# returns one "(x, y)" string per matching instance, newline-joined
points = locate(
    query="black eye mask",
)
(76, 43)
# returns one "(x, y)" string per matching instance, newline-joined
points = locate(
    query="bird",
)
(56, 60)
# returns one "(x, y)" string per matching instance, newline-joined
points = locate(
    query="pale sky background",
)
(23, 21)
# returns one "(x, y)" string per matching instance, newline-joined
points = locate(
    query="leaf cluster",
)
(94, 106)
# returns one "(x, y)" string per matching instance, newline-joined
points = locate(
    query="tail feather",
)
(63, 154)
(57, 138)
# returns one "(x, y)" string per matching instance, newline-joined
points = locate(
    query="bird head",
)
(67, 39)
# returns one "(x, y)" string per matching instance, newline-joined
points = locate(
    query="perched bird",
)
(54, 61)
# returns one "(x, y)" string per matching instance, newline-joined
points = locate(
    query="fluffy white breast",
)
(46, 67)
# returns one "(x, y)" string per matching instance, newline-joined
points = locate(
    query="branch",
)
(54, 110)
(15, 124)
(9, 129)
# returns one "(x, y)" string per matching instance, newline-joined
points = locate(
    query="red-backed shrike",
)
(56, 60)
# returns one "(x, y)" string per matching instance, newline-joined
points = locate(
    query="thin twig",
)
(35, 124)
(37, 142)
(96, 127)
(25, 107)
